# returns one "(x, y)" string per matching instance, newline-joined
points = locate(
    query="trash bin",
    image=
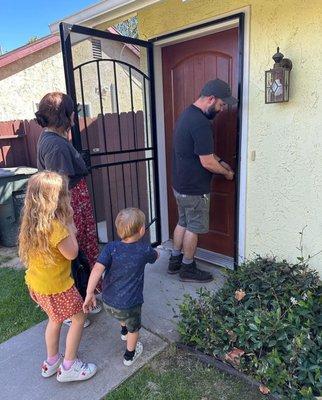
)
(13, 182)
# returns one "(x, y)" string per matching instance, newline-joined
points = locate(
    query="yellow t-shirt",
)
(50, 277)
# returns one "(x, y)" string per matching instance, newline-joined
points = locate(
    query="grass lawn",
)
(173, 375)
(17, 311)
(176, 375)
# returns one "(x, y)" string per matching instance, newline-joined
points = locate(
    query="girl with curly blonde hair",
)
(47, 244)
(56, 153)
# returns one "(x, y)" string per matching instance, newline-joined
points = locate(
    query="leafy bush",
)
(266, 321)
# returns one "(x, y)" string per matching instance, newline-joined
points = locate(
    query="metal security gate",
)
(110, 78)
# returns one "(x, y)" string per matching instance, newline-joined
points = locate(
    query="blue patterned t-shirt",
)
(124, 272)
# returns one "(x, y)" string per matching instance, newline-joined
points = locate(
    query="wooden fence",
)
(113, 188)
(18, 143)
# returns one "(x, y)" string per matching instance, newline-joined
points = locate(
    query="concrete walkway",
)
(22, 355)
(163, 293)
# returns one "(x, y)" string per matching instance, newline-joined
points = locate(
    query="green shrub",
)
(272, 311)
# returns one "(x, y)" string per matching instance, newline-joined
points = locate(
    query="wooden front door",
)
(187, 66)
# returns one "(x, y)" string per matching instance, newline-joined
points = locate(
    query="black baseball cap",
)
(220, 89)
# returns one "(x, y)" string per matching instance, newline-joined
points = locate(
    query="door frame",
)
(241, 19)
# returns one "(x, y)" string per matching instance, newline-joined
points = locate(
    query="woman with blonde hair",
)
(47, 244)
(56, 153)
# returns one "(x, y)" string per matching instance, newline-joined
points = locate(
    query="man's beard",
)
(210, 114)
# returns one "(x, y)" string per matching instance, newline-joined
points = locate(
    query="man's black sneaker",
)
(190, 273)
(175, 264)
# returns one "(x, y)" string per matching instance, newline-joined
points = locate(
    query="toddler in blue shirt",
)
(124, 263)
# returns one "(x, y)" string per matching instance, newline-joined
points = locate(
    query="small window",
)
(96, 48)
(84, 110)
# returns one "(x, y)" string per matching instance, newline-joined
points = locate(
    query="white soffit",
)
(106, 10)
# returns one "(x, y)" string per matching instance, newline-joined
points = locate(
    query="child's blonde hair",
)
(47, 199)
(129, 221)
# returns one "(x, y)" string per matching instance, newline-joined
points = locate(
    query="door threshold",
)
(207, 255)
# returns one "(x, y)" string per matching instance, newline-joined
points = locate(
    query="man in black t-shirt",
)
(194, 163)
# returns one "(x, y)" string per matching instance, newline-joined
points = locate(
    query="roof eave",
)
(28, 49)
(104, 11)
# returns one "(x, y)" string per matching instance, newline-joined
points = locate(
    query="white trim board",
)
(198, 33)
(104, 11)
(244, 123)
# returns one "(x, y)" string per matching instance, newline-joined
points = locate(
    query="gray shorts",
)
(193, 211)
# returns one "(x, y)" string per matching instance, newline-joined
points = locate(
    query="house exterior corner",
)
(284, 185)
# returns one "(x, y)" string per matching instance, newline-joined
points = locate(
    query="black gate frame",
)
(65, 31)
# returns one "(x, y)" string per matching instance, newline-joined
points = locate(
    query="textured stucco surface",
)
(82, 52)
(284, 183)
(24, 82)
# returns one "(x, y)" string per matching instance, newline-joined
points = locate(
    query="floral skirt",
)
(84, 221)
(59, 306)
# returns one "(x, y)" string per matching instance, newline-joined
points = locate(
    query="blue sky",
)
(22, 19)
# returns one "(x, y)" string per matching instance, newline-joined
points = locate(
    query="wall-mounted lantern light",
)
(277, 80)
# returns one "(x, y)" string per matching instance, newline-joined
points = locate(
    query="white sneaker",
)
(68, 322)
(138, 352)
(48, 370)
(79, 371)
(96, 309)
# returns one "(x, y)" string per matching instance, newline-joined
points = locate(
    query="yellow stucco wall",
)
(284, 183)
